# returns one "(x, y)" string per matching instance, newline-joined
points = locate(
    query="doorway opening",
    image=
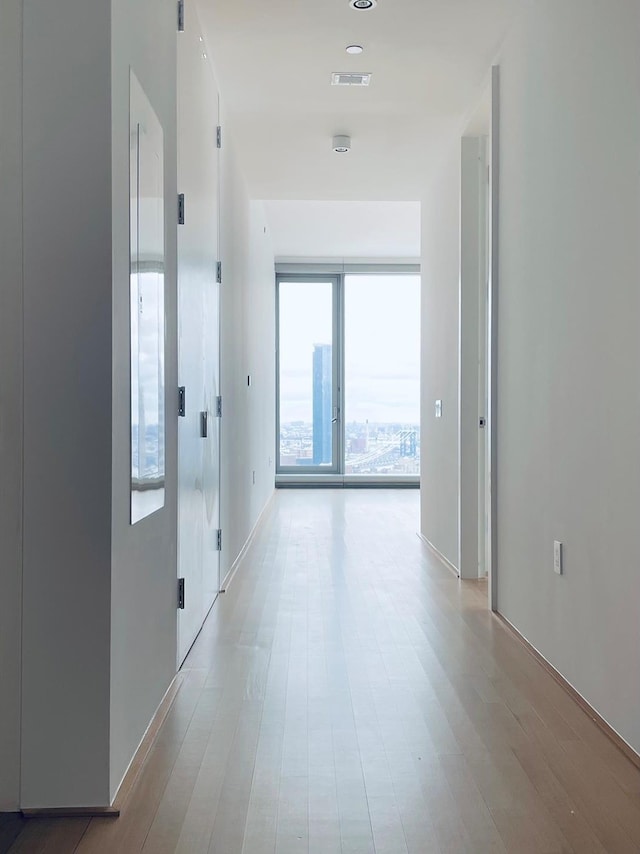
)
(479, 270)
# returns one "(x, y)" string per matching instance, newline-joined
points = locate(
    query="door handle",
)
(204, 424)
(335, 415)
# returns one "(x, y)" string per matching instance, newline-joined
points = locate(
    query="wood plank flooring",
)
(349, 695)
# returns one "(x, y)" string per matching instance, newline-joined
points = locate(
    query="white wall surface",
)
(67, 403)
(310, 229)
(440, 320)
(99, 639)
(569, 348)
(10, 397)
(473, 289)
(260, 343)
(247, 349)
(143, 582)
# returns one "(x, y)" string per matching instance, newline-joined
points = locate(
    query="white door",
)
(198, 335)
(483, 361)
(492, 345)
(211, 354)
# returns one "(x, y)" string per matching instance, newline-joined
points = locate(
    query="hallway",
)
(348, 695)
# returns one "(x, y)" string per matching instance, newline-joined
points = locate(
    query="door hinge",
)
(219, 272)
(182, 402)
(181, 209)
(219, 136)
(180, 16)
(181, 594)
(219, 407)
(204, 424)
(219, 540)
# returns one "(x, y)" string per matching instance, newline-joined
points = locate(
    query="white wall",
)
(99, 608)
(10, 397)
(310, 229)
(473, 290)
(67, 403)
(440, 319)
(260, 356)
(247, 349)
(143, 581)
(99, 595)
(569, 346)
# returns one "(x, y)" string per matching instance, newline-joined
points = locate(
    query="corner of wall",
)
(568, 401)
(11, 399)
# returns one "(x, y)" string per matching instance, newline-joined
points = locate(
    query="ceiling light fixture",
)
(341, 144)
(355, 49)
(363, 5)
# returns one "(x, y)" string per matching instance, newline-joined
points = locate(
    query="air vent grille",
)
(350, 78)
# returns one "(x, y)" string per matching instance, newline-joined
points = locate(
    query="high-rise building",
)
(322, 399)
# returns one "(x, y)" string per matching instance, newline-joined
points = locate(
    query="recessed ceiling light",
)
(355, 49)
(363, 5)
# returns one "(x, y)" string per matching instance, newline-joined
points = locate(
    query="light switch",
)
(438, 409)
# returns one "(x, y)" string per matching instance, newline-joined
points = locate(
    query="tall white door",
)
(211, 362)
(483, 361)
(198, 335)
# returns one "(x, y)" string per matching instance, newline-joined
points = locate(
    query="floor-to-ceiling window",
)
(308, 388)
(382, 374)
(349, 375)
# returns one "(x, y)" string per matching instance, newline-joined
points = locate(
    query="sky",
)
(382, 346)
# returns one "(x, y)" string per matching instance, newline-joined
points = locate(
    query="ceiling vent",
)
(350, 78)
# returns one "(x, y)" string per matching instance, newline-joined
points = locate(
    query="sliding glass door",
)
(349, 376)
(382, 375)
(308, 437)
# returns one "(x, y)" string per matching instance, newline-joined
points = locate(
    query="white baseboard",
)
(243, 551)
(447, 563)
(623, 745)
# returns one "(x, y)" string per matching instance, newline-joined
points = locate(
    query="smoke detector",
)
(341, 144)
(363, 5)
(350, 78)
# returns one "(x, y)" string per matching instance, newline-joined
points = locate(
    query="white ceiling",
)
(364, 230)
(274, 59)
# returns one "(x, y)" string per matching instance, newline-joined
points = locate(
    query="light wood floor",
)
(348, 694)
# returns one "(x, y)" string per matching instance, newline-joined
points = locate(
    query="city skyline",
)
(370, 448)
(322, 404)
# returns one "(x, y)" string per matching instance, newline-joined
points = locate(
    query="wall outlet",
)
(557, 558)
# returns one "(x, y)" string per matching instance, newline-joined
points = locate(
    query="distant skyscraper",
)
(322, 400)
